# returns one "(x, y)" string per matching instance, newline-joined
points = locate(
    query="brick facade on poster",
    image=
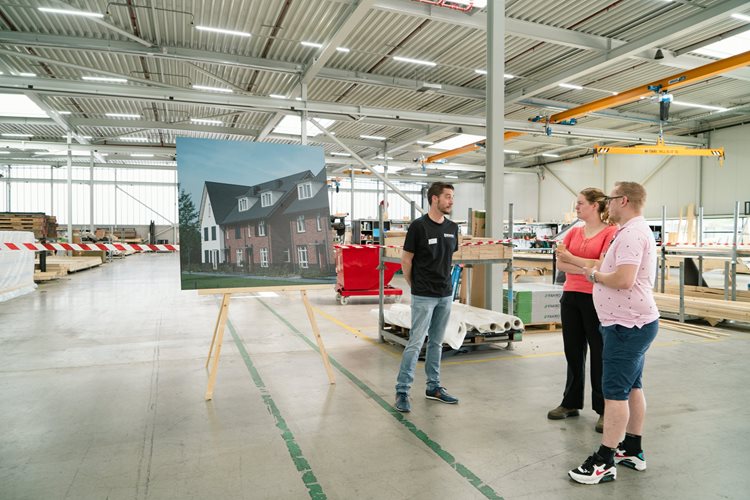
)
(258, 236)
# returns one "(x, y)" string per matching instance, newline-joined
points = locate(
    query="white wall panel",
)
(723, 186)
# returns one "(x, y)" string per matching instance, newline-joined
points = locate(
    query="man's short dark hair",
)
(437, 189)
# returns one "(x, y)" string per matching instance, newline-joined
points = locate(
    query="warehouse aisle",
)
(103, 383)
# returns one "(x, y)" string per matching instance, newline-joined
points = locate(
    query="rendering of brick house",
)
(281, 227)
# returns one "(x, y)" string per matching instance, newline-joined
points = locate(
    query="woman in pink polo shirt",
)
(583, 246)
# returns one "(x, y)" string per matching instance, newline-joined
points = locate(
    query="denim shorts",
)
(623, 356)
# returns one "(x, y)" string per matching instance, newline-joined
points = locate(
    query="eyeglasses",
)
(607, 199)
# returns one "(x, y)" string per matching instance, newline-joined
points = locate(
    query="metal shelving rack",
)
(509, 337)
(730, 255)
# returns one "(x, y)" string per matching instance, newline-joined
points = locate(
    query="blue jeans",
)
(429, 317)
(624, 355)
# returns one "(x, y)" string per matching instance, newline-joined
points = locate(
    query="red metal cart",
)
(357, 273)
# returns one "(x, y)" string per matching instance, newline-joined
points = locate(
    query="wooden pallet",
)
(542, 327)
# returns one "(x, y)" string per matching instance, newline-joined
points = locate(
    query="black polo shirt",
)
(433, 245)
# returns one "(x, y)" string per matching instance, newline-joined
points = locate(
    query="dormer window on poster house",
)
(266, 199)
(304, 191)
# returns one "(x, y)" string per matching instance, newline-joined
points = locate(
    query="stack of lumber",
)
(691, 329)
(59, 266)
(43, 226)
(711, 309)
(705, 292)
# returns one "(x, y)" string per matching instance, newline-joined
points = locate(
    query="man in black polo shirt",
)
(426, 263)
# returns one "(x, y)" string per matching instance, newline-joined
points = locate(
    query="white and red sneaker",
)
(594, 471)
(635, 461)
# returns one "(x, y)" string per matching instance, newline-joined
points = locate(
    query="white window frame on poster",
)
(266, 199)
(262, 228)
(318, 223)
(300, 223)
(304, 191)
(264, 257)
(287, 255)
(302, 256)
(244, 204)
(239, 257)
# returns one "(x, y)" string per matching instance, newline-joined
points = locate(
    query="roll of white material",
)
(16, 266)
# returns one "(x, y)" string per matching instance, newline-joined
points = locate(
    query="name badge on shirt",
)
(432, 241)
(446, 235)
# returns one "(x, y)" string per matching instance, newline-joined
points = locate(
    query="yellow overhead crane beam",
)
(672, 82)
(659, 149)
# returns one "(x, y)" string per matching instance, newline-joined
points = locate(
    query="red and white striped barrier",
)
(122, 247)
(697, 245)
(465, 244)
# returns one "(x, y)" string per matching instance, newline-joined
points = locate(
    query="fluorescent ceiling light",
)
(61, 152)
(728, 47)
(419, 175)
(20, 105)
(312, 44)
(104, 79)
(477, 4)
(425, 143)
(67, 12)
(223, 31)
(511, 151)
(391, 169)
(701, 106)
(571, 86)
(343, 49)
(484, 72)
(141, 155)
(373, 137)
(81, 136)
(18, 135)
(63, 112)
(381, 157)
(212, 89)
(550, 155)
(135, 139)
(742, 17)
(451, 177)
(122, 115)
(4, 152)
(336, 153)
(414, 61)
(28, 75)
(292, 125)
(458, 141)
(206, 121)
(277, 96)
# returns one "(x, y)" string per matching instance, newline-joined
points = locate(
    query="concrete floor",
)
(103, 382)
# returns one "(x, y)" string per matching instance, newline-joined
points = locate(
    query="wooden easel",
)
(221, 322)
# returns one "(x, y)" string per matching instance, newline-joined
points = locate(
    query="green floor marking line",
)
(308, 477)
(464, 471)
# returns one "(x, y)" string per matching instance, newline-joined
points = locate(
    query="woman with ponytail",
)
(583, 246)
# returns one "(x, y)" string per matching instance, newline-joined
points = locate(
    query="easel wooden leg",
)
(318, 338)
(216, 328)
(221, 323)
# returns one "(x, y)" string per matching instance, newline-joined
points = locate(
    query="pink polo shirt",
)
(633, 244)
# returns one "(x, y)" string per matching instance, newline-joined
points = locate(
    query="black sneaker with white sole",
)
(594, 471)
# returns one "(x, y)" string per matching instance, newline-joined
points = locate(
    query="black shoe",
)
(561, 412)
(594, 471)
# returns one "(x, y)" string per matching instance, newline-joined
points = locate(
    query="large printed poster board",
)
(253, 215)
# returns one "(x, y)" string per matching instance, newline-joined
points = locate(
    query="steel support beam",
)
(670, 32)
